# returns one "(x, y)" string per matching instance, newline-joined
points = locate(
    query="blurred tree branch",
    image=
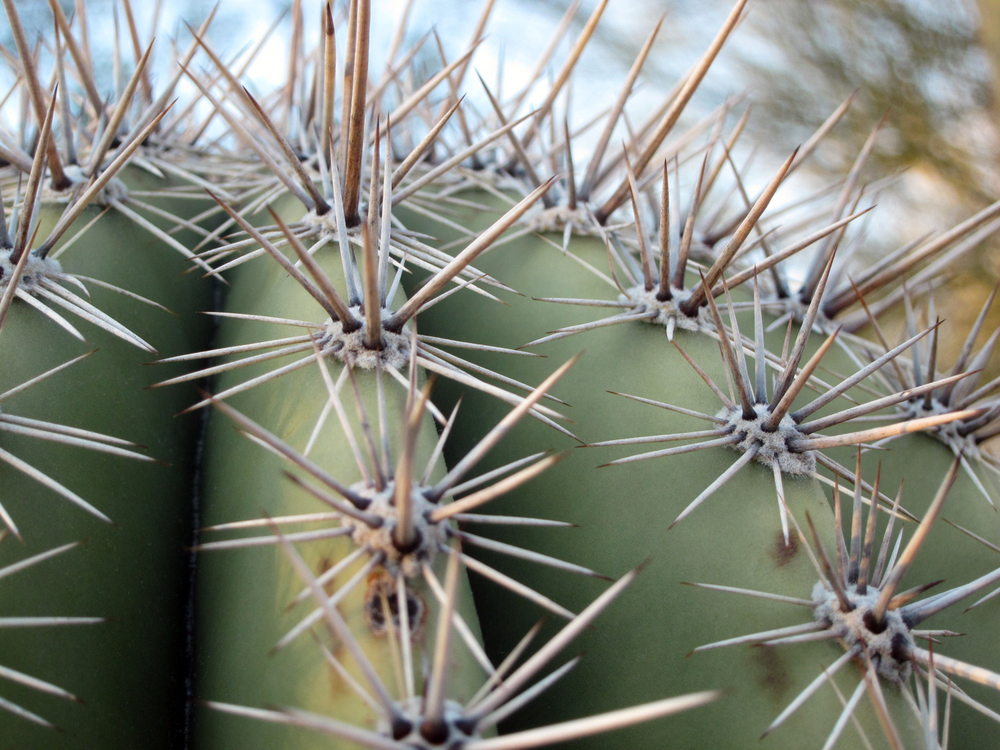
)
(924, 61)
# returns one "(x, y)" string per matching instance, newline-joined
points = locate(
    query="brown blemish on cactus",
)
(324, 565)
(381, 596)
(782, 553)
(773, 676)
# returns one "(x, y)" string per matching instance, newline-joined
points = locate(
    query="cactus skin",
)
(241, 594)
(733, 539)
(27, 683)
(636, 533)
(129, 671)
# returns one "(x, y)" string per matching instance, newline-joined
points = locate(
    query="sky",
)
(518, 31)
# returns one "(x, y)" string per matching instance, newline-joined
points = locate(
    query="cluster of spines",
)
(364, 308)
(66, 181)
(819, 301)
(859, 603)
(368, 281)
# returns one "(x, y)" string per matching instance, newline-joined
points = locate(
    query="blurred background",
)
(931, 64)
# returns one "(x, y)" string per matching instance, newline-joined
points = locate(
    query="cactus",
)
(107, 286)
(15, 623)
(360, 248)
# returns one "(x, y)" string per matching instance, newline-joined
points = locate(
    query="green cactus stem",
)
(242, 594)
(134, 569)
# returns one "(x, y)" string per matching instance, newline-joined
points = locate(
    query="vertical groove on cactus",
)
(249, 589)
